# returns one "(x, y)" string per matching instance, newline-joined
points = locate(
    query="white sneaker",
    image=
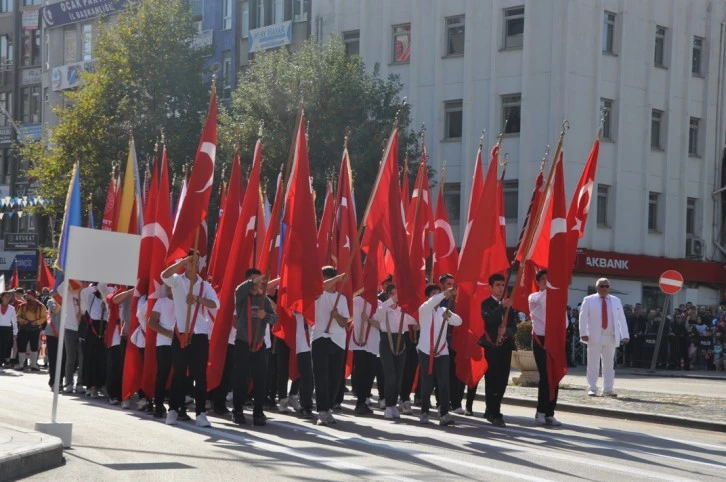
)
(382, 403)
(142, 404)
(592, 393)
(171, 417)
(294, 402)
(330, 418)
(424, 418)
(553, 422)
(68, 389)
(388, 413)
(396, 414)
(459, 411)
(539, 419)
(80, 390)
(202, 420)
(369, 401)
(282, 407)
(125, 405)
(407, 408)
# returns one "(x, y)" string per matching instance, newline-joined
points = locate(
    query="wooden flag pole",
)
(443, 180)
(195, 259)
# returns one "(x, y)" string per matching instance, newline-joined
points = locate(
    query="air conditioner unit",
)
(695, 248)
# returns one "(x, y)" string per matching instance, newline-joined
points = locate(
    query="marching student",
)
(122, 298)
(538, 311)
(94, 356)
(364, 341)
(115, 347)
(162, 321)
(433, 352)
(219, 394)
(388, 319)
(51, 340)
(8, 328)
(410, 367)
(304, 365)
(328, 348)
(72, 342)
(31, 318)
(189, 351)
(254, 312)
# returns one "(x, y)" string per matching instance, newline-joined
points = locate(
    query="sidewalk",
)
(689, 401)
(25, 452)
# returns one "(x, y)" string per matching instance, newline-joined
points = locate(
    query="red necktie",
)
(604, 315)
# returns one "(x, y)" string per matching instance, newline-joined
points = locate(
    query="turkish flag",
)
(240, 254)
(446, 256)
(269, 262)
(227, 223)
(405, 189)
(385, 220)
(196, 203)
(109, 210)
(580, 205)
(260, 230)
(45, 277)
(325, 230)
(420, 225)
(558, 280)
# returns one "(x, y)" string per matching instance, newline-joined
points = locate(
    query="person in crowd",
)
(163, 321)
(433, 351)
(719, 355)
(31, 319)
(603, 327)
(115, 343)
(95, 357)
(364, 348)
(72, 341)
(8, 328)
(51, 340)
(44, 295)
(571, 336)
(680, 346)
(190, 347)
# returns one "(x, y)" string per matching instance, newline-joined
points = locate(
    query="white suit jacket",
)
(591, 318)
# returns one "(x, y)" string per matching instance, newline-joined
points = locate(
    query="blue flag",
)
(72, 217)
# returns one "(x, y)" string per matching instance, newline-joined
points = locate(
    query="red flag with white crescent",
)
(446, 256)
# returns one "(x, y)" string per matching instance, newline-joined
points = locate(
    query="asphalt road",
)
(111, 444)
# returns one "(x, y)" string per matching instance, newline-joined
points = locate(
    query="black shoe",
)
(497, 421)
(363, 410)
(183, 416)
(307, 414)
(239, 418)
(34, 369)
(222, 410)
(259, 420)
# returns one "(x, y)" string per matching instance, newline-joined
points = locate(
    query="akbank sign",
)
(72, 11)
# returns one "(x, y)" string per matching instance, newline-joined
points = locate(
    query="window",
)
(696, 62)
(656, 125)
(227, 73)
(660, 37)
(70, 45)
(352, 42)
(300, 10)
(511, 109)
(606, 111)
(31, 47)
(278, 11)
(455, 35)
(6, 101)
(653, 199)
(401, 43)
(691, 215)
(511, 200)
(452, 200)
(6, 52)
(603, 192)
(87, 41)
(226, 14)
(608, 33)
(693, 136)
(245, 19)
(454, 111)
(260, 14)
(31, 104)
(6, 6)
(514, 28)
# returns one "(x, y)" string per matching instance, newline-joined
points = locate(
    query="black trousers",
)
(328, 361)
(114, 375)
(283, 367)
(249, 365)
(456, 386)
(440, 373)
(470, 397)
(544, 404)
(340, 394)
(52, 345)
(192, 358)
(409, 370)
(393, 366)
(380, 378)
(496, 378)
(364, 369)
(94, 357)
(163, 368)
(28, 335)
(272, 367)
(306, 380)
(6, 342)
(219, 394)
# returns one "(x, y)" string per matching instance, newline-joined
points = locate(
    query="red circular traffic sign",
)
(671, 282)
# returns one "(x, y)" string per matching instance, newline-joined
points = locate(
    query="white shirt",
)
(393, 315)
(431, 319)
(91, 303)
(138, 337)
(179, 285)
(302, 339)
(538, 311)
(10, 318)
(323, 306)
(73, 312)
(360, 342)
(167, 319)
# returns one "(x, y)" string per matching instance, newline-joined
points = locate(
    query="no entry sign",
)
(671, 282)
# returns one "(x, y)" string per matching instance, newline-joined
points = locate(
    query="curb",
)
(695, 376)
(621, 414)
(44, 455)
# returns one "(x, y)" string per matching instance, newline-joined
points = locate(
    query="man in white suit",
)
(602, 327)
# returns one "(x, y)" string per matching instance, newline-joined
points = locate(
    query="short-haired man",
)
(602, 327)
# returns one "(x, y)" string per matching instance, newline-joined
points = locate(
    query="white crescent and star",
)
(441, 224)
(211, 150)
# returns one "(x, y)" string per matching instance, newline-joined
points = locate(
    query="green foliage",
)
(148, 77)
(523, 336)
(338, 96)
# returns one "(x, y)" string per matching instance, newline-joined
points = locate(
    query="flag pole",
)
(195, 258)
(443, 181)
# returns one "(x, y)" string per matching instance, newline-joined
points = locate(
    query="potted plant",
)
(523, 357)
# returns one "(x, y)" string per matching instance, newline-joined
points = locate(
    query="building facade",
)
(656, 67)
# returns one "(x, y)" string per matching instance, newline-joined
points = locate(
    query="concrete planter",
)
(524, 362)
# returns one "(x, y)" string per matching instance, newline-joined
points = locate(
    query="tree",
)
(339, 97)
(148, 77)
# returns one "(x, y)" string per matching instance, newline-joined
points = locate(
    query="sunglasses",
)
(604, 286)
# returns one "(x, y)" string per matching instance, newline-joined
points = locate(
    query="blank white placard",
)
(102, 256)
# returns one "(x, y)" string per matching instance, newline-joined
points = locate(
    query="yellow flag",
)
(129, 191)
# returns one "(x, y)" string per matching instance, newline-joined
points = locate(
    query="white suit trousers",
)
(604, 350)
